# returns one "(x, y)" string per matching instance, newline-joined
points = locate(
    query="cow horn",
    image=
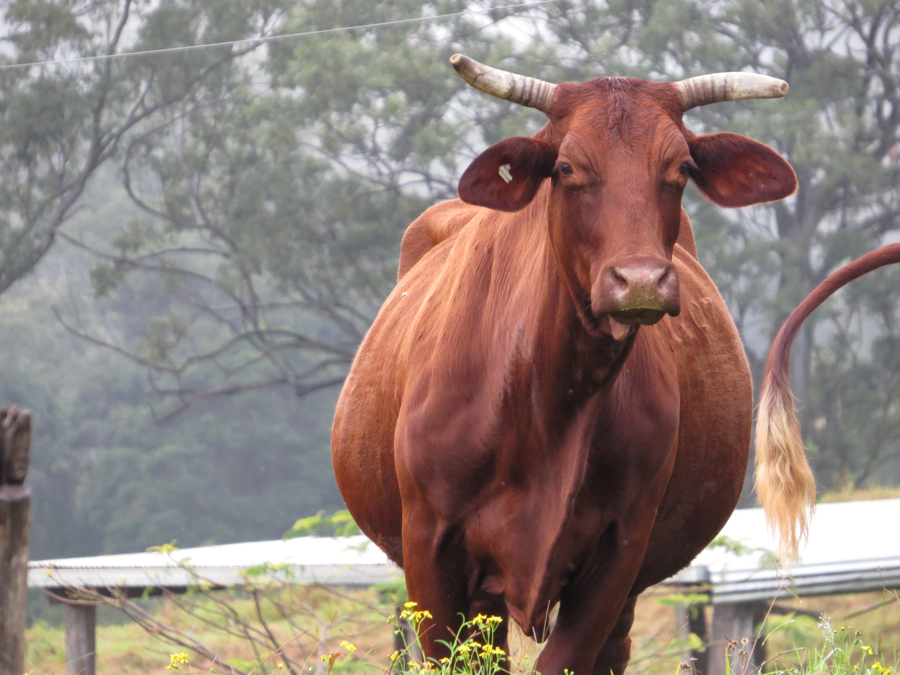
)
(718, 87)
(519, 89)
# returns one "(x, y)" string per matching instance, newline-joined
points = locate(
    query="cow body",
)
(488, 442)
(553, 405)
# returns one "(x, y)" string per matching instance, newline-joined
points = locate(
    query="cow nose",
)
(640, 289)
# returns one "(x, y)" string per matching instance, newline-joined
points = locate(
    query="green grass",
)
(843, 652)
(795, 643)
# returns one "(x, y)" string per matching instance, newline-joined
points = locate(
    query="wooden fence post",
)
(407, 643)
(733, 632)
(15, 521)
(692, 620)
(81, 641)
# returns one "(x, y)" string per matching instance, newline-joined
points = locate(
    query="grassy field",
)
(329, 620)
(316, 621)
(313, 623)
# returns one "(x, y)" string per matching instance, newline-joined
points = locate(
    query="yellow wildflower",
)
(416, 617)
(494, 619)
(445, 660)
(867, 649)
(395, 656)
(349, 646)
(175, 659)
(410, 605)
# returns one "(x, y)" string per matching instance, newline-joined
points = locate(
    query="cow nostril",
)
(618, 278)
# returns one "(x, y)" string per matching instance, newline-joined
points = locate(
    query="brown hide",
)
(444, 220)
(526, 423)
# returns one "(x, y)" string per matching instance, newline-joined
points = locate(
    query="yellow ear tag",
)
(505, 174)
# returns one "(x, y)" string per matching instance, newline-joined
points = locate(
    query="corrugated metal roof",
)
(305, 560)
(851, 548)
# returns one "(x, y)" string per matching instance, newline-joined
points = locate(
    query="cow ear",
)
(737, 171)
(507, 175)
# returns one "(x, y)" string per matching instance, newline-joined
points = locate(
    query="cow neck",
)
(560, 380)
(573, 362)
(572, 394)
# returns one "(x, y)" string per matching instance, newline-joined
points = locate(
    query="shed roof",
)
(305, 560)
(850, 549)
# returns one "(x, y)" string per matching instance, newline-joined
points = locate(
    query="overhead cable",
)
(268, 38)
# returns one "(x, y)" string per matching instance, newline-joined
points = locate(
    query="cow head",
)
(618, 158)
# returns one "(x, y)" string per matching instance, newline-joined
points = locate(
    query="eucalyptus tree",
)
(840, 129)
(274, 208)
(273, 198)
(70, 113)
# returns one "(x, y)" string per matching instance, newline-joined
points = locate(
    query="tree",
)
(275, 206)
(60, 122)
(840, 128)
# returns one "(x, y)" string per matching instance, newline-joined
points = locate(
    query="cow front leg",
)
(591, 606)
(433, 564)
(616, 651)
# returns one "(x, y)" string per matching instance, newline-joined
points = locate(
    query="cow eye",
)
(565, 169)
(688, 168)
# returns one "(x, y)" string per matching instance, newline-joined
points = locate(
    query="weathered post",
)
(81, 641)
(735, 648)
(690, 617)
(15, 521)
(407, 643)
(691, 620)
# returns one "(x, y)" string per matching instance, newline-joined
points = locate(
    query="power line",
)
(268, 38)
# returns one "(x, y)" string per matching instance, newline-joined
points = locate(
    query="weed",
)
(844, 652)
(472, 651)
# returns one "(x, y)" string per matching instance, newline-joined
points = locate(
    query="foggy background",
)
(192, 243)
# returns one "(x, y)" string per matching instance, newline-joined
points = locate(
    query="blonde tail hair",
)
(784, 482)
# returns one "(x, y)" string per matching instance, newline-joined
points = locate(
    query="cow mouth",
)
(644, 317)
(621, 324)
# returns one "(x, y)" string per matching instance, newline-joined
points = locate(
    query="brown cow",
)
(521, 425)
(785, 483)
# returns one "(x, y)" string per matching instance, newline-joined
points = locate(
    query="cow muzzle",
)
(634, 291)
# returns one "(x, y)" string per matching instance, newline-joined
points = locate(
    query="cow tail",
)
(784, 482)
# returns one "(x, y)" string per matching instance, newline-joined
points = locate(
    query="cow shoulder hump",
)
(437, 224)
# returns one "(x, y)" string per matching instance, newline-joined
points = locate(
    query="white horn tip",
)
(459, 61)
(526, 91)
(737, 86)
(753, 85)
